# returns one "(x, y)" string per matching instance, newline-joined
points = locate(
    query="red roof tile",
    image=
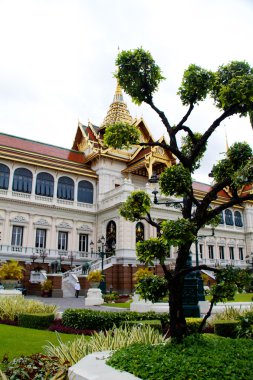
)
(40, 148)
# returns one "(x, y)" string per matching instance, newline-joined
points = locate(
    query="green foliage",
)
(138, 74)
(175, 180)
(11, 307)
(104, 320)
(151, 249)
(233, 87)
(229, 280)
(196, 84)
(12, 270)
(245, 326)
(121, 136)
(36, 367)
(188, 145)
(113, 339)
(229, 313)
(35, 321)
(111, 297)
(204, 357)
(152, 288)
(227, 329)
(193, 325)
(177, 232)
(155, 324)
(238, 154)
(136, 206)
(46, 285)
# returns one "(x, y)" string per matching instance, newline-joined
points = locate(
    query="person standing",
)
(77, 289)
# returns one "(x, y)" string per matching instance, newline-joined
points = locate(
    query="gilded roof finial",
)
(118, 111)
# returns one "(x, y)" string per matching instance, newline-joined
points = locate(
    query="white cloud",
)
(57, 60)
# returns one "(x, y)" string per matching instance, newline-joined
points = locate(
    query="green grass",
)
(239, 297)
(125, 305)
(17, 341)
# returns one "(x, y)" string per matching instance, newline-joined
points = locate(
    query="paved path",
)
(72, 303)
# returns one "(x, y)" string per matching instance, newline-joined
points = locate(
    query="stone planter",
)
(94, 284)
(9, 284)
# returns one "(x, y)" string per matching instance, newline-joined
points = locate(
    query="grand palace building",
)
(56, 204)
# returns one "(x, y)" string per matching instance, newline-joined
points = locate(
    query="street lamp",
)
(71, 256)
(176, 204)
(101, 246)
(43, 255)
(33, 257)
(61, 258)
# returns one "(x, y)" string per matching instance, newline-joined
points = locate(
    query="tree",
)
(231, 88)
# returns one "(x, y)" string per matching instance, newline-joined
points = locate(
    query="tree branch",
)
(224, 206)
(185, 271)
(184, 119)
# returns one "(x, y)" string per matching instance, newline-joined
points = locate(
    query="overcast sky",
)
(58, 58)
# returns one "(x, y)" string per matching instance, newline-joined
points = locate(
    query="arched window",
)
(4, 176)
(238, 219)
(139, 230)
(45, 185)
(65, 188)
(110, 236)
(221, 218)
(22, 180)
(85, 192)
(229, 218)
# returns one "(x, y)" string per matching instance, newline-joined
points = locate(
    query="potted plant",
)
(46, 288)
(11, 273)
(94, 278)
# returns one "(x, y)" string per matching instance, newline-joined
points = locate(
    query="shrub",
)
(12, 270)
(116, 338)
(193, 324)
(35, 321)
(11, 307)
(154, 323)
(111, 297)
(226, 328)
(245, 326)
(105, 320)
(199, 357)
(95, 276)
(59, 327)
(34, 367)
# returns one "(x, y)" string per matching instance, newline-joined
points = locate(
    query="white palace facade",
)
(55, 202)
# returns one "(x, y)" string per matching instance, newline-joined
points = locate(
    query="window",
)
(65, 188)
(221, 252)
(4, 176)
(111, 236)
(62, 241)
(139, 229)
(85, 192)
(40, 240)
(201, 250)
(210, 252)
(241, 253)
(229, 218)
(17, 236)
(221, 218)
(45, 185)
(231, 253)
(83, 243)
(238, 219)
(22, 181)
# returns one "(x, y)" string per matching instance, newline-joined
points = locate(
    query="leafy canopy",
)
(121, 136)
(152, 249)
(136, 206)
(175, 180)
(138, 74)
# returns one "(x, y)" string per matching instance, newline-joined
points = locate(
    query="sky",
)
(58, 59)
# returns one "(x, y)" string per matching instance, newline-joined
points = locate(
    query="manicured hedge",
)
(154, 323)
(105, 320)
(226, 328)
(35, 321)
(202, 357)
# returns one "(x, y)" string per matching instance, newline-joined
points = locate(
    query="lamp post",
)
(33, 257)
(61, 258)
(43, 255)
(101, 246)
(71, 257)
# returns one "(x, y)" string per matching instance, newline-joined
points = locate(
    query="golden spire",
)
(118, 111)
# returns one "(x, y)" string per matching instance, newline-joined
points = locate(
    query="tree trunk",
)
(178, 327)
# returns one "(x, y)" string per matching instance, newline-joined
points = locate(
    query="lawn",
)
(17, 341)
(124, 305)
(239, 297)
